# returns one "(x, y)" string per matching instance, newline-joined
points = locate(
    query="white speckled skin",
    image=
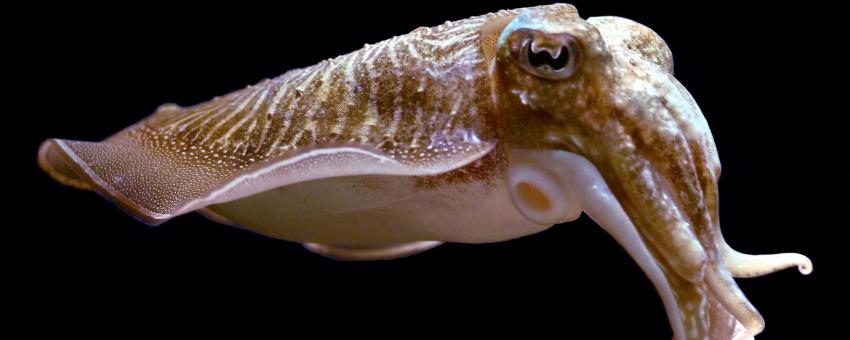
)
(465, 132)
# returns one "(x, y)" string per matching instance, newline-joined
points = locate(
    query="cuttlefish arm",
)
(628, 35)
(602, 92)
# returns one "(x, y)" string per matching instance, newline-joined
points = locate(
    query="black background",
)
(85, 72)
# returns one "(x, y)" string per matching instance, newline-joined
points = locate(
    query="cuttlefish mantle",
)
(478, 130)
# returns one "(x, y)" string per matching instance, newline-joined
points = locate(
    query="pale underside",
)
(369, 210)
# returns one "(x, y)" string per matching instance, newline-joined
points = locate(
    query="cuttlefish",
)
(478, 130)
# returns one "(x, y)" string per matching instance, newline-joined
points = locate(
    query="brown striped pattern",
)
(415, 97)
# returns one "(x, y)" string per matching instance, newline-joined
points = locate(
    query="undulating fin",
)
(216, 217)
(371, 252)
(57, 164)
(155, 187)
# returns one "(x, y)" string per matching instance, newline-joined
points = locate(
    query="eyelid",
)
(554, 52)
(550, 61)
(545, 71)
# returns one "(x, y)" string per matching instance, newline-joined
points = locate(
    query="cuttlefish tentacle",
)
(746, 265)
(479, 130)
(624, 111)
(712, 305)
(629, 35)
(638, 38)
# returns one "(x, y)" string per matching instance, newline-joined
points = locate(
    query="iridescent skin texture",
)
(478, 130)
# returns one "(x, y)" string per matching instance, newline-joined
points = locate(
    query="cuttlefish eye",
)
(550, 57)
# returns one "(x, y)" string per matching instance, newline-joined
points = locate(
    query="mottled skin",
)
(409, 141)
(421, 100)
(627, 114)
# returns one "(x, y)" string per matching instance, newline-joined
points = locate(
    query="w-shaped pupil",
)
(544, 58)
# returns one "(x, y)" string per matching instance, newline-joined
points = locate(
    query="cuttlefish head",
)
(599, 124)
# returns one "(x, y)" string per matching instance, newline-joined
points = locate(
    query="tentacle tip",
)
(805, 266)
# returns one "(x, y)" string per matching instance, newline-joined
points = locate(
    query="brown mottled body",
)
(422, 99)
(478, 130)
(408, 95)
